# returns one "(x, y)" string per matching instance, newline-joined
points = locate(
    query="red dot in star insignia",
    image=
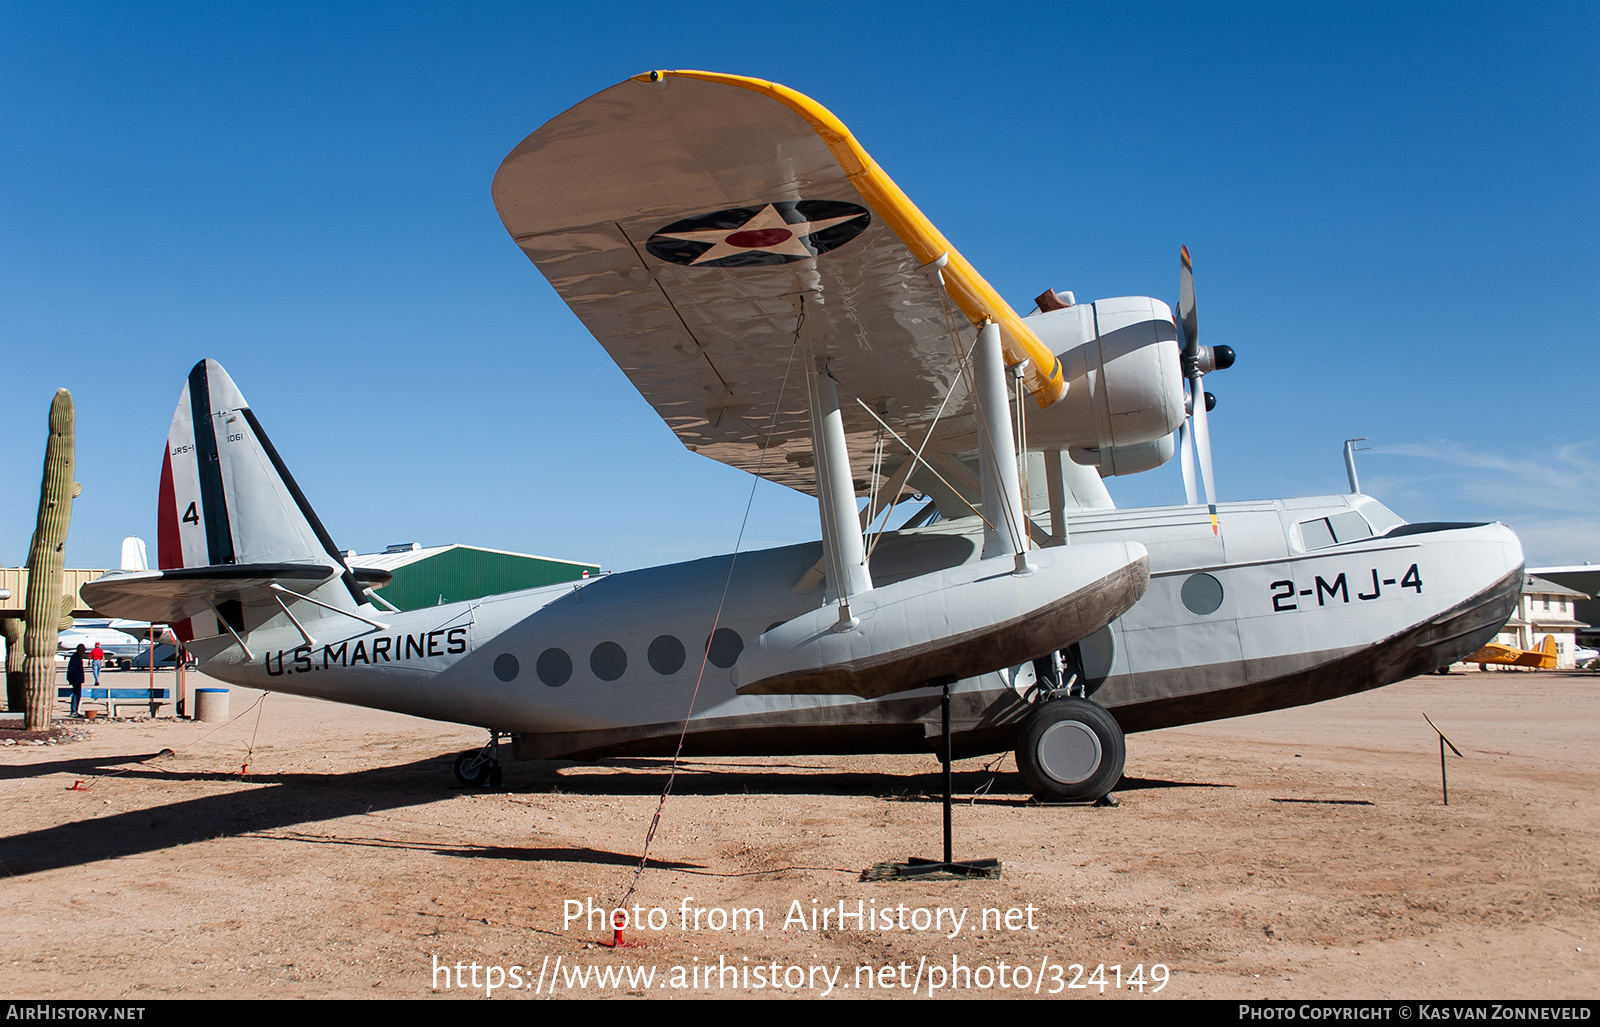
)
(757, 238)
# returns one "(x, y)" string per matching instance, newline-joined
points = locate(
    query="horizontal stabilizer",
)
(176, 594)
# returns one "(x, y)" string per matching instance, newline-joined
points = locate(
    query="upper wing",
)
(700, 224)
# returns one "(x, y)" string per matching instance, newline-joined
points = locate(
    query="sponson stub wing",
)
(948, 625)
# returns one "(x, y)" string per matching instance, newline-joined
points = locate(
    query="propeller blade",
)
(1202, 443)
(1186, 449)
(1186, 315)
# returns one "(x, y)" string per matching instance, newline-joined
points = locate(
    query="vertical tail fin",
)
(133, 555)
(226, 497)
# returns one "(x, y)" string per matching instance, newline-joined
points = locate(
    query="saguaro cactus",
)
(46, 558)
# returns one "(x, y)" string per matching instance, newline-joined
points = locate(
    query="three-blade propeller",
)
(1195, 435)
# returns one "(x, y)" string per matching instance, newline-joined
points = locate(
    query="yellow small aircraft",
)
(1542, 658)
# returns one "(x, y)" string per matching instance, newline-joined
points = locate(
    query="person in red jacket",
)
(97, 659)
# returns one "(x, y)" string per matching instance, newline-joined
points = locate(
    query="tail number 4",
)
(191, 515)
(1286, 597)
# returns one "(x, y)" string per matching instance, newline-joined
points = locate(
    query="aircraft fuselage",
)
(1291, 601)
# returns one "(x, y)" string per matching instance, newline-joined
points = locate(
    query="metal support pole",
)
(949, 843)
(1006, 531)
(1444, 782)
(1350, 451)
(948, 868)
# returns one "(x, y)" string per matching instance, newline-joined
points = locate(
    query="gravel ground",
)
(1298, 854)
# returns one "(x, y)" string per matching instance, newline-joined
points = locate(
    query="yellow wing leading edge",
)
(976, 298)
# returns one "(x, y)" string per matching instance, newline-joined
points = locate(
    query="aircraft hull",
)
(1158, 665)
(1422, 648)
(986, 719)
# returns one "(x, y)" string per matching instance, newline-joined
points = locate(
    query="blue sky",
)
(1392, 208)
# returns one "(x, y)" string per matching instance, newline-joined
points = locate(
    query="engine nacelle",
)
(1124, 383)
(1145, 456)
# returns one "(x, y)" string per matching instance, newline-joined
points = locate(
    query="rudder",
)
(226, 498)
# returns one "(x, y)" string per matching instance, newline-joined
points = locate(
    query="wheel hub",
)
(1070, 752)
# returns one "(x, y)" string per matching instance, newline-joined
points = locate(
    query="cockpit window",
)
(1316, 534)
(1330, 531)
(1349, 526)
(1379, 516)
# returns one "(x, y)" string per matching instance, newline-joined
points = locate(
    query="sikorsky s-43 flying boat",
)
(787, 310)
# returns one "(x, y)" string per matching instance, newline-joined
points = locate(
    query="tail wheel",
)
(1071, 750)
(472, 768)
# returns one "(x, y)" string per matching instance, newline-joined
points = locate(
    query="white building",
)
(1545, 609)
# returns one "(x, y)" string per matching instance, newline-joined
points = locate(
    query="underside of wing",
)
(712, 230)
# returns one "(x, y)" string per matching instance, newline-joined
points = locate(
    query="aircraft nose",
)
(1498, 553)
(1476, 571)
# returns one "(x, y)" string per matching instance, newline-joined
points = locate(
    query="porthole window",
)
(1201, 594)
(723, 647)
(506, 667)
(608, 661)
(554, 667)
(666, 655)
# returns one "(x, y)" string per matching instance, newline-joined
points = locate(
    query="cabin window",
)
(723, 647)
(666, 655)
(506, 667)
(608, 661)
(1201, 594)
(554, 667)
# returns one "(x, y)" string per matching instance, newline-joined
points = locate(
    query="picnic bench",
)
(123, 696)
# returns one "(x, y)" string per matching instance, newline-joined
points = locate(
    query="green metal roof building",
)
(448, 574)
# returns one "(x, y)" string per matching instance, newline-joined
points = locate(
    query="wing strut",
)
(1056, 487)
(836, 492)
(1004, 528)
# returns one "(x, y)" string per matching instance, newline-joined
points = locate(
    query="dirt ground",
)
(1299, 854)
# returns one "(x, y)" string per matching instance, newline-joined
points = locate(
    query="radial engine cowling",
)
(1142, 456)
(1124, 384)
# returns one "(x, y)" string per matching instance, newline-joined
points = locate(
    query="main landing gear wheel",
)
(1071, 750)
(472, 768)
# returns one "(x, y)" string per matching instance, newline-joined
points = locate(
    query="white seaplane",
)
(787, 310)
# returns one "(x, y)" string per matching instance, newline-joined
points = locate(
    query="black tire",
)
(472, 769)
(1071, 750)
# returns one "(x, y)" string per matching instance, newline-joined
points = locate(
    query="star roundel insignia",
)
(759, 236)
